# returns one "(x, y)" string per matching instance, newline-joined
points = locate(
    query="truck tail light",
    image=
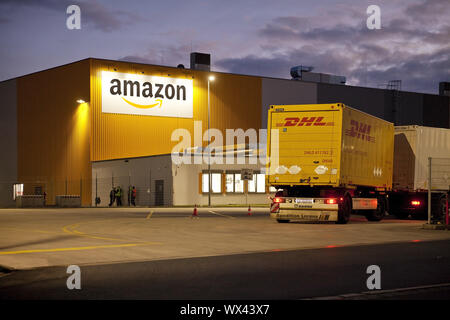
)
(415, 203)
(330, 201)
(279, 200)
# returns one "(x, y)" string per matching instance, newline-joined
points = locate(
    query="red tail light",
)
(415, 203)
(279, 200)
(331, 201)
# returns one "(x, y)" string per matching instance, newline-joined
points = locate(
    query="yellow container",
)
(328, 145)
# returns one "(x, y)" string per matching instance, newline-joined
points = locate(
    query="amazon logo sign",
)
(127, 93)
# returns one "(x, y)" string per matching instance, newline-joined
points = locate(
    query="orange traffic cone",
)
(249, 211)
(195, 213)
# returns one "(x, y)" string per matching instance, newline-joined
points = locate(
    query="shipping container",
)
(322, 151)
(329, 144)
(415, 148)
(414, 145)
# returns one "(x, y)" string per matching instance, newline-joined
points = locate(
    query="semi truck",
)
(328, 161)
(420, 153)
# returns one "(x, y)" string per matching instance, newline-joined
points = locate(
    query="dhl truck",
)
(413, 148)
(328, 161)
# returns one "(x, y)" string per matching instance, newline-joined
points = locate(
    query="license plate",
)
(310, 201)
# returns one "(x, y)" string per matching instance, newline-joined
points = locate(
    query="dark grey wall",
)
(282, 91)
(8, 141)
(436, 111)
(372, 101)
(412, 108)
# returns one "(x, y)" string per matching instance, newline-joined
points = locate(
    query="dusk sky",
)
(257, 37)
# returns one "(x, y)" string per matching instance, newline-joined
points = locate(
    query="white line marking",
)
(222, 215)
(380, 292)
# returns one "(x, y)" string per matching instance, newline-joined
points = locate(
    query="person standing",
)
(112, 196)
(130, 190)
(133, 196)
(119, 196)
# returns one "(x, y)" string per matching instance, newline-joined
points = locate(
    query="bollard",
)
(249, 211)
(195, 213)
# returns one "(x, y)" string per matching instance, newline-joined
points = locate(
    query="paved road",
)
(60, 237)
(292, 274)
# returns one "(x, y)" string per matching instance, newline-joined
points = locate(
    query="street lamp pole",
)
(210, 78)
(209, 154)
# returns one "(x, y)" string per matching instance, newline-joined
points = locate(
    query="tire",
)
(440, 216)
(345, 210)
(282, 221)
(379, 213)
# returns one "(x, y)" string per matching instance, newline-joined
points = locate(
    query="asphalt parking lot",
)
(32, 238)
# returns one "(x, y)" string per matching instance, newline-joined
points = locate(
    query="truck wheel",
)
(378, 214)
(442, 211)
(345, 210)
(282, 221)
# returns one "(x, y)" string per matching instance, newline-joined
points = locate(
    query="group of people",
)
(115, 196)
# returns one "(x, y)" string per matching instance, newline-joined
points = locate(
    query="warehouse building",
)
(91, 125)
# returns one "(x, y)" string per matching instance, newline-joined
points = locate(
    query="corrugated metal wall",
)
(8, 142)
(54, 131)
(235, 103)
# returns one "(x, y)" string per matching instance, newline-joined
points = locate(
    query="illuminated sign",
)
(137, 94)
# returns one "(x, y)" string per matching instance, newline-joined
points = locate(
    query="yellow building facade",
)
(59, 137)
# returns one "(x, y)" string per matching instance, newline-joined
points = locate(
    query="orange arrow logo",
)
(140, 106)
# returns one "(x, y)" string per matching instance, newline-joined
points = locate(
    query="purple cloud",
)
(411, 46)
(92, 12)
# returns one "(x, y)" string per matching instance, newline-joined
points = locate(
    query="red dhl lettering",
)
(305, 121)
(360, 130)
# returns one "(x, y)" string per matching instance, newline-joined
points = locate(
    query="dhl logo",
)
(360, 130)
(305, 121)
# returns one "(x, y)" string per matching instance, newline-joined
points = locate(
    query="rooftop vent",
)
(200, 61)
(444, 89)
(304, 73)
(296, 72)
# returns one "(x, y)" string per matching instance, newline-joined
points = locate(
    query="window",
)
(238, 183)
(229, 182)
(216, 182)
(234, 183)
(252, 184)
(17, 190)
(261, 183)
(258, 184)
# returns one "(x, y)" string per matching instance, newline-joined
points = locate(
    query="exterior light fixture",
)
(81, 101)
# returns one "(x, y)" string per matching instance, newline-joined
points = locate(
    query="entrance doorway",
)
(159, 192)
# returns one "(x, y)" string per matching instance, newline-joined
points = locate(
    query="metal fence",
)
(52, 188)
(96, 191)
